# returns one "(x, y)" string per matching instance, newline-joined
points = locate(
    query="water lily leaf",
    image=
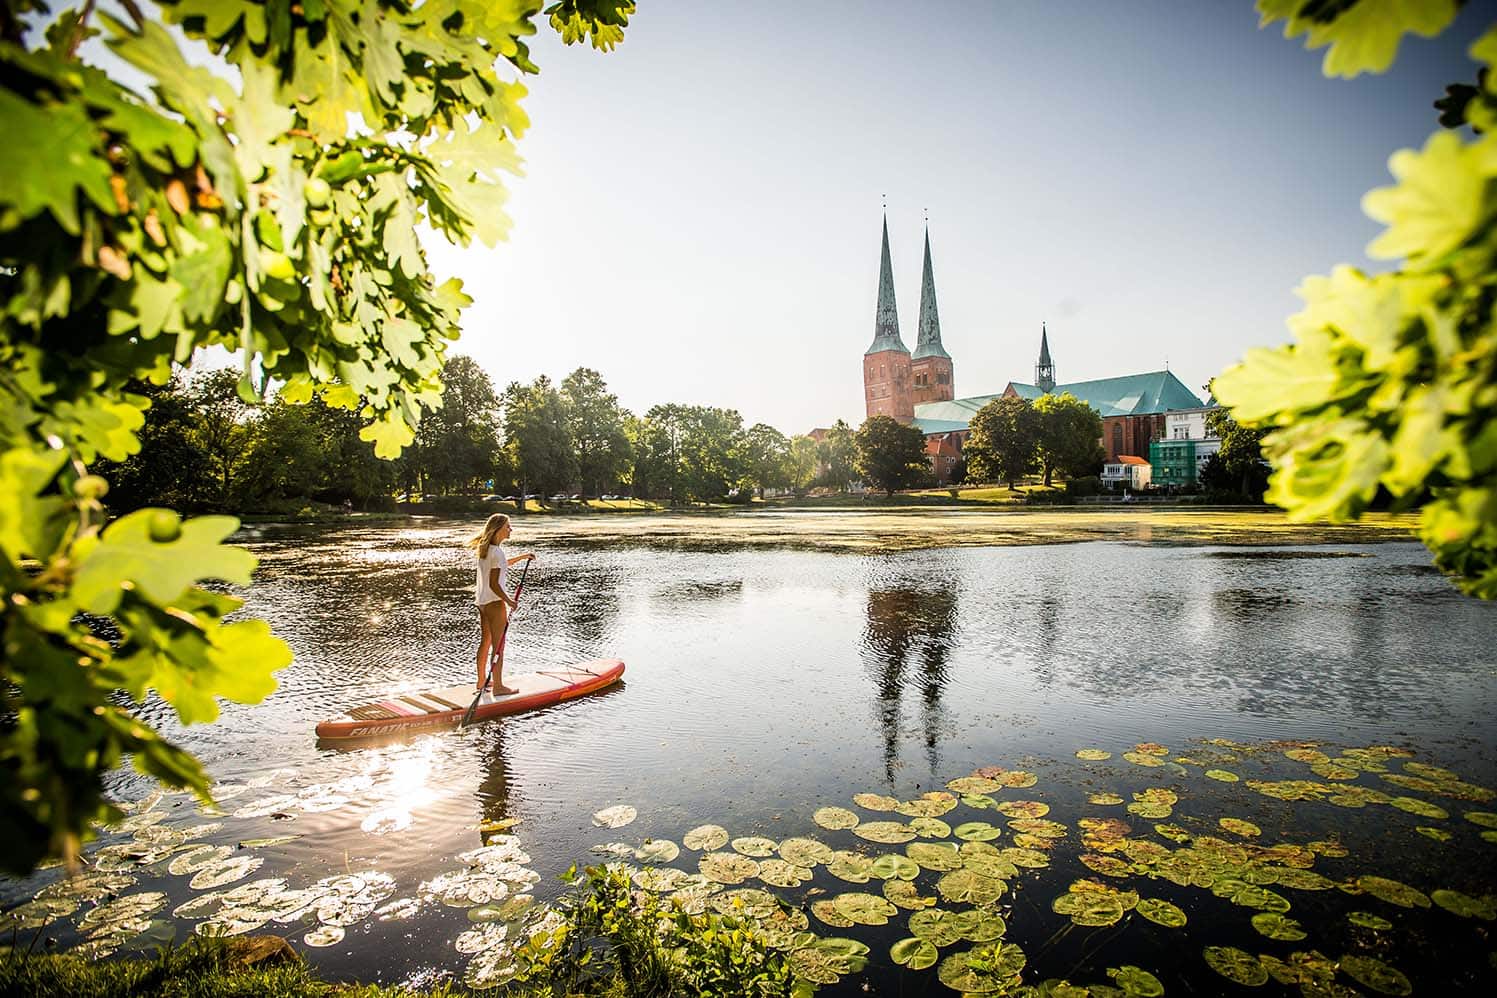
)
(1368, 920)
(904, 894)
(1237, 966)
(1309, 756)
(850, 866)
(1136, 981)
(1431, 832)
(225, 872)
(755, 845)
(1150, 810)
(1103, 797)
(967, 785)
(885, 832)
(1042, 827)
(657, 879)
(864, 909)
(1331, 771)
(1143, 759)
(825, 910)
(1239, 827)
(825, 960)
(1393, 892)
(985, 968)
(930, 805)
(727, 867)
(976, 831)
(404, 908)
(1422, 808)
(930, 828)
(917, 954)
(325, 935)
(1373, 973)
(1222, 775)
(934, 855)
(618, 850)
(875, 802)
(1276, 926)
(890, 866)
(778, 873)
(657, 851)
(1031, 858)
(746, 902)
(1161, 912)
(990, 865)
(1088, 907)
(615, 817)
(833, 818)
(1303, 880)
(1022, 809)
(805, 852)
(1485, 819)
(1093, 754)
(706, 837)
(980, 925)
(1151, 748)
(937, 926)
(970, 887)
(1465, 905)
(197, 858)
(1017, 779)
(978, 801)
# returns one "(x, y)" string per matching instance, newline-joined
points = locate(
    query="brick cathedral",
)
(919, 388)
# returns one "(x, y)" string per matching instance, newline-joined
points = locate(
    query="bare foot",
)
(502, 690)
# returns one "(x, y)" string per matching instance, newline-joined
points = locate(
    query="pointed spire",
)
(1044, 371)
(929, 342)
(886, 319)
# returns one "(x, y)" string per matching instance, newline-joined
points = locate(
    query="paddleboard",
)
(446, 707)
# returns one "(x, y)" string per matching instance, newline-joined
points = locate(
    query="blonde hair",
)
(484, 539)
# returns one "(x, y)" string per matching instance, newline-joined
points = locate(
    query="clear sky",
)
(699, 220)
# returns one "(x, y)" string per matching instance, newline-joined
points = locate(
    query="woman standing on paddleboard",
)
(493, 599)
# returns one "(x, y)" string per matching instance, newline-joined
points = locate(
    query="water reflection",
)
(906, 624)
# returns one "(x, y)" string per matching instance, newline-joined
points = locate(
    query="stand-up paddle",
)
(508, 618)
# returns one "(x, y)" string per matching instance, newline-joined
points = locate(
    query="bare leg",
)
(485, 646)
(498, 614)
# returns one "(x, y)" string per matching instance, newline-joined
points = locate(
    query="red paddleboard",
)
(446, 707)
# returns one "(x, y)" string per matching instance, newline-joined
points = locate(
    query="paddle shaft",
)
(503, 636)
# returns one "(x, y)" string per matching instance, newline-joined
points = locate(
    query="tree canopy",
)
(1067, 435)
(1003, 442)
(1392, 379)
(890, 454)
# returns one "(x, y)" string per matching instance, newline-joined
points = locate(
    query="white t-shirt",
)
(484, 593)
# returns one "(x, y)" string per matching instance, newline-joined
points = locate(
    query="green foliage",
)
(1392, 380)
(1003, 442)
(595, 423)
(800, 463)
(688, 452)
(457, 445)
(1068, 435)
(276, 215)
(838, 455)
(1237, 469)
(766, 456)
(535, 430)
(610, 932)
(1363, 35)
(890, 454)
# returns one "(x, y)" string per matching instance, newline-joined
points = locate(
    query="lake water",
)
(768, 678)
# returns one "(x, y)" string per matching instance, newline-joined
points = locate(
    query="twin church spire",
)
(894, 380)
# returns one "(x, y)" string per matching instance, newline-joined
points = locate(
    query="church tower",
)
(930, 364)
(886, 362)
(1044, 371)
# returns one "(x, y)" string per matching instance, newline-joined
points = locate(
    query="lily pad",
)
(225, 872)
(976, 831)
(756, 846)
(826, 960)
(657, 879)
(1022, 808)
(852, 867)
(1423, 808)
(706, 838)
(778, 873)
(917, 954)
(1222, 775)
(1373, 973)
(1150, 809)
(1093, 754)
(1136, 981)
(657, 851)
(930, 828)
(1485, 819)
(825, 910)
(1161, 912)
(1103, 797)
(905, 894)
(1465, 905)
(969, 887)
(805, 852)
(1031, 858)
(885, 832)
(325, 935)
(1393, 892)
(934, 856)
(985, 968)
(1307, 755)
(967, 785)
(1276, 926)
(1016, 779)
(864, 909)
(931, 805)
(615, 817)
(195, 858)
(727, 867)
(1042, 827)
(1143, 759)
(1237, 826)
(1088, 907)
(980, 925)
(890, 867)
(483, 936)
(1237, 966)
(990, 865)
(1368, 920)
(875, 802)
(937, 926)
(1431, 832)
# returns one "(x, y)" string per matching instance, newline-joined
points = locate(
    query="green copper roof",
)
(929, 426)
(929, 343)
(886, 319)
(1130, 395)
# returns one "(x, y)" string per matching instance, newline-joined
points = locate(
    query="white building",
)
(1127, 471)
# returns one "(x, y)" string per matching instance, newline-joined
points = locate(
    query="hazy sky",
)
(699, 220)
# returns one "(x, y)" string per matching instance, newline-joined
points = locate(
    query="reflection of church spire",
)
(929, 343)
(886, 319)
(1044, 371)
